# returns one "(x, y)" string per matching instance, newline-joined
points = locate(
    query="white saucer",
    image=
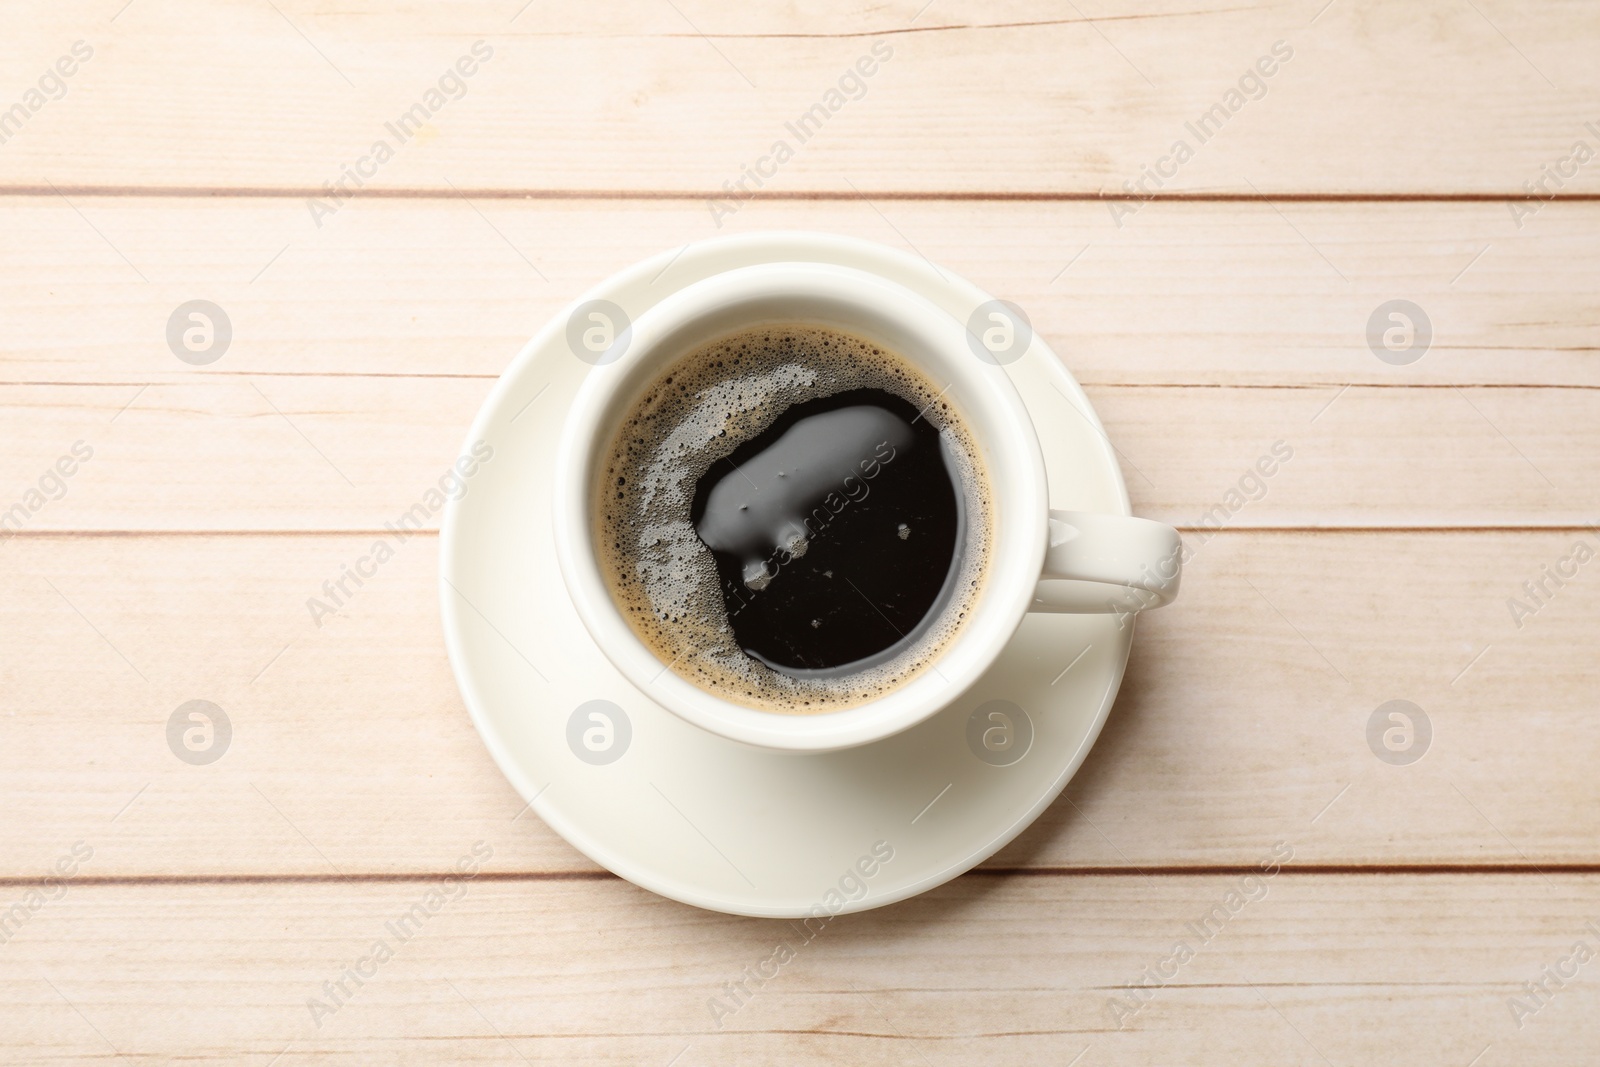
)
(709, 821)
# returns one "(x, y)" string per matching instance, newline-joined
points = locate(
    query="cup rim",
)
(1012, 454)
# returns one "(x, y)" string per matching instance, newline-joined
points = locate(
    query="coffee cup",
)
(1039, 559)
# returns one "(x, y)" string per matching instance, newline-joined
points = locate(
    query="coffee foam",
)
(697, 411)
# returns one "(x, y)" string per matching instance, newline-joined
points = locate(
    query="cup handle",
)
(1108, 564)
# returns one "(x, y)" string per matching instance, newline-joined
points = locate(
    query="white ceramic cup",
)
(1038, 560)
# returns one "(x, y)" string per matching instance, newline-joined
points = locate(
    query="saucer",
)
(709, 821)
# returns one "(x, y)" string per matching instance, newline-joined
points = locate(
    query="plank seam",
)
(1210, 870)
(288, 192)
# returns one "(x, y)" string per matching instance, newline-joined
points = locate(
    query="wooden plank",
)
(1306, 970)
(1021, 97)
(1243, 719)
(329, 452)
(1181, 293)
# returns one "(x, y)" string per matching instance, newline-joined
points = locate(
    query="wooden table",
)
(1214, 302)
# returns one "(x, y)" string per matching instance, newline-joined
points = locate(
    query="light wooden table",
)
(1223, 314)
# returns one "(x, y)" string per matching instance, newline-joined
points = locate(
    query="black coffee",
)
(835, 532)
(793, 518)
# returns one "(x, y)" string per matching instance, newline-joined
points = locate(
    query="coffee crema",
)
(794, 519)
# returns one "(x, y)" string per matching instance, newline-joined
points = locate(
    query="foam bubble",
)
(701, 408)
